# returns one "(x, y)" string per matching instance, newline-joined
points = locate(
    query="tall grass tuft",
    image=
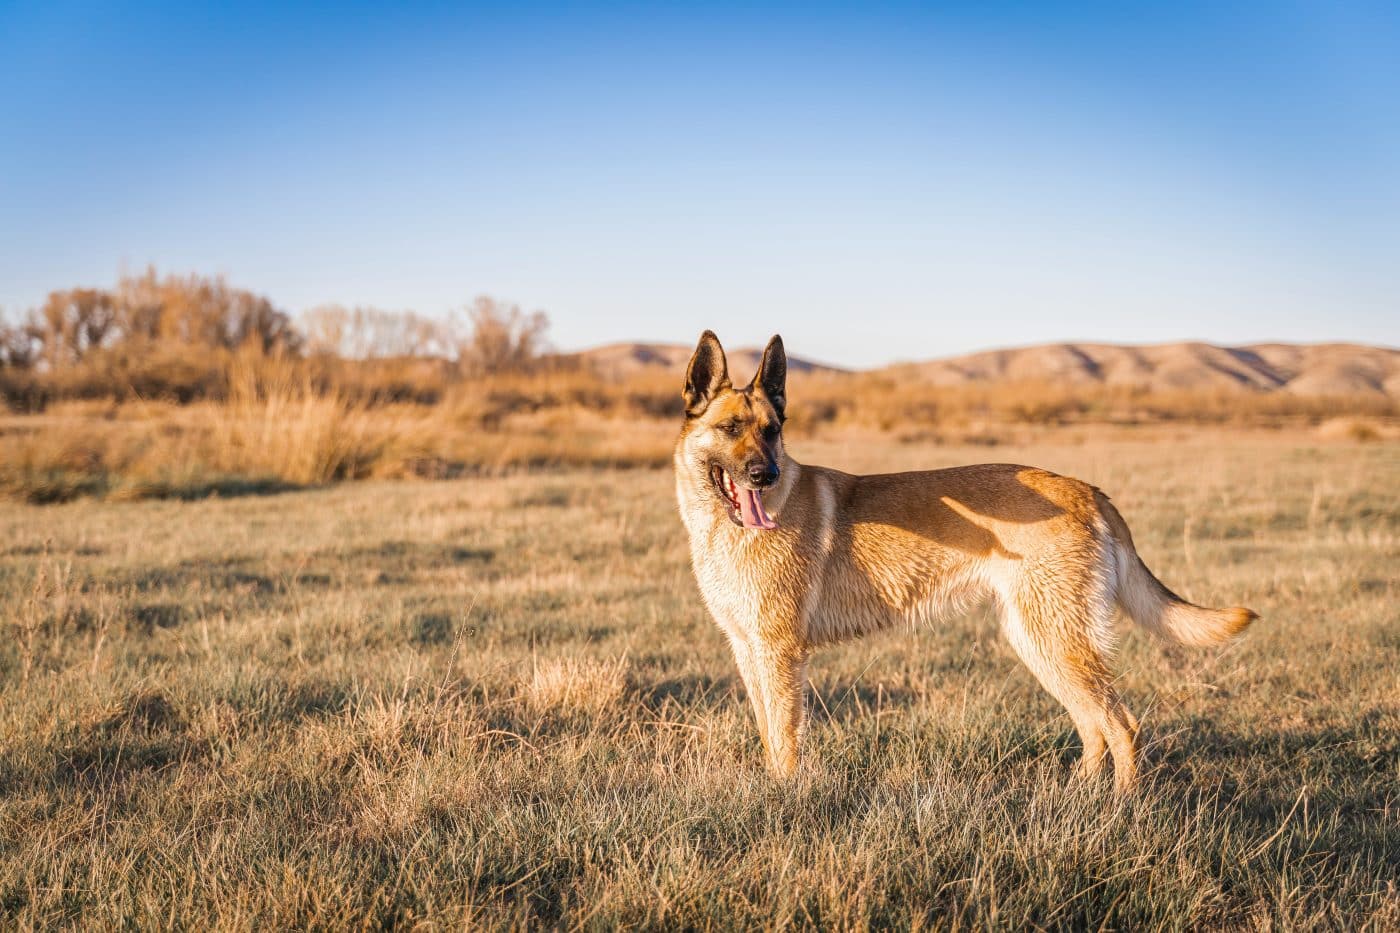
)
(575, 686)
(276, 429)
(276, 424)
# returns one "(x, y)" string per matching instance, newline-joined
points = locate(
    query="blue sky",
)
(876, 182)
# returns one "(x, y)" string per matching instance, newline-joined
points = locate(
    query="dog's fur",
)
(853, 555)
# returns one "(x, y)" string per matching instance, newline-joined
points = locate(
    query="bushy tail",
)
(1156, 608)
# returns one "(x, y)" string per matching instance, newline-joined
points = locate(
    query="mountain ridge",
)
(1312, 369)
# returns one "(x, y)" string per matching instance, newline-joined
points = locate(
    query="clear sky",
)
(876, 181)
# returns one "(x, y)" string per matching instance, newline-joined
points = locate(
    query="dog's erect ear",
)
(772, 375)
(706, 375)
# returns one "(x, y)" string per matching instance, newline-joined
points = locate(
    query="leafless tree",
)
(19, 346)
(371, 333)
(500, 338)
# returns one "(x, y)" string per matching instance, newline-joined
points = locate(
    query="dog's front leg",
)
(786, 676)
(776, 679)
(754, 687)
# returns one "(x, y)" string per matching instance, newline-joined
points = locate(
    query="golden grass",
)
(1357, 428)
(393, 703)
(280, 424)
(581, 686)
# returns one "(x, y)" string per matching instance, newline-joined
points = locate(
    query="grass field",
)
(498, 701)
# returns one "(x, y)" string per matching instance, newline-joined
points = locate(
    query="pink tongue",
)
(751, 509)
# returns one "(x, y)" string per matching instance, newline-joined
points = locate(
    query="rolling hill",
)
(627, 359)
(1305, 369)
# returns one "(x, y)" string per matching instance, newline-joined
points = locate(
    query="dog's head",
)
(735, 436)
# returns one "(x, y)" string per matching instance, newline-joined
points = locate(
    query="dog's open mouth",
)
(745, 506)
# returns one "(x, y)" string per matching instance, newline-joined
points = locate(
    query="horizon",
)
(999, 348)
(940, 182)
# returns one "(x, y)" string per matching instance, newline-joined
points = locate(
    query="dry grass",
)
(1356, 428)
(281, 426)
(390, 703)
(157, 451)
(577, 686)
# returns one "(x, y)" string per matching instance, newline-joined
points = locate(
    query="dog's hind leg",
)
(1054, 639)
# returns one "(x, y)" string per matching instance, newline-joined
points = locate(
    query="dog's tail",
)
(1156, 608)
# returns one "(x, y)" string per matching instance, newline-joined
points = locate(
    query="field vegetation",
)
(186, 387)
(237, 692)
(497, 700)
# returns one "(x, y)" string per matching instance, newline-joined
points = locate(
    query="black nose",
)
(762, 474)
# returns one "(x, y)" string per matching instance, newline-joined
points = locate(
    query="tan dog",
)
(790, 557)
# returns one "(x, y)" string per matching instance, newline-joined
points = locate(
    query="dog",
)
(790, 557)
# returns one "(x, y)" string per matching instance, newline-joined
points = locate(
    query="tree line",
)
(175, 336)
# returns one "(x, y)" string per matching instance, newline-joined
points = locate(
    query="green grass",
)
(499, 701)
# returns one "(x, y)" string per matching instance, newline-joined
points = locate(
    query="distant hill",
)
(625, 359)
(1302, 369)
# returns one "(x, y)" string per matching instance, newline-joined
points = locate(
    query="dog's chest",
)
(746, 582)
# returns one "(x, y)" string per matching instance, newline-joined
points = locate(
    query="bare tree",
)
(19, 345)
(201, 311)
(500, 338)
(72, 324)
(370, 333)
(325, 330)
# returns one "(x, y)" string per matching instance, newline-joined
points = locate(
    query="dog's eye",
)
(728, 427)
